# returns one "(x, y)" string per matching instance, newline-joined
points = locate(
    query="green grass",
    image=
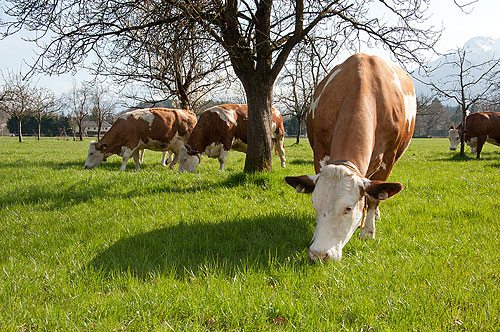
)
(103, 250)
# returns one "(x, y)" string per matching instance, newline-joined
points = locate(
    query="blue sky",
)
(458, 28)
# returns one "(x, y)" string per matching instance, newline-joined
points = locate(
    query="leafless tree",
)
(308, 63)
(469, 84)
(432, 117)
(257, 37)
(44, 106)
(178, 63)
(78, 101)
(102, 106)
(17, 98)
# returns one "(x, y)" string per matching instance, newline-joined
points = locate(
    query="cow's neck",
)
(353, 139)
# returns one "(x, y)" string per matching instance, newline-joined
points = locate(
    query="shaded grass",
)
(156, 250)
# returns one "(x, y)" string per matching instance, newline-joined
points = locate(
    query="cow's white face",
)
(454, 138)
(187, 162)
(338, 202)
(94, 157)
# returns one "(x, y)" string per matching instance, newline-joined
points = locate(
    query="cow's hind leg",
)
(137, 159)
(368, 231)
(222, 159)
(280, 146)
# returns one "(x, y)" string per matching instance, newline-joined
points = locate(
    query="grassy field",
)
(154, 250)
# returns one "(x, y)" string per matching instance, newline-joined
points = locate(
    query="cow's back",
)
(220, 124)
(364, 110)
(483, 124)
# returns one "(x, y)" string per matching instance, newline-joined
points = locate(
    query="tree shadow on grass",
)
(228, 245)
(301, 162)
(65, 195)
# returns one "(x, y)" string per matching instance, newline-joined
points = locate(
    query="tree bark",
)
(464, 128)
(39, 130)
(259, 99)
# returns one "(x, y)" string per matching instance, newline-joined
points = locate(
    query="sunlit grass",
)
(157, 250)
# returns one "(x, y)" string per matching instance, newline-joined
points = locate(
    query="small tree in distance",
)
(17, 99)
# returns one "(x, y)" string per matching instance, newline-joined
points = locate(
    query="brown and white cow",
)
(220, 129)
(360, 122)
(480, 127)
(159, 129)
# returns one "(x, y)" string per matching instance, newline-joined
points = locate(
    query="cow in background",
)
(222, 128)
(361, 121)
(480, 127)
(159, 129)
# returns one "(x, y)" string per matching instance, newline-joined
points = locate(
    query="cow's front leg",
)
(222, 158)
(368, 231)
(280, 146)
(136, 159)
(174, 160)
(479, 147)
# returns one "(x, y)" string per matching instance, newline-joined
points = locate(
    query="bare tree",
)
(179, 63)
(78, 101)
(308, 64)
(469, 84)
(102, 106)
(17, 99)
(432, 117)
(44, 106)
(257, 37)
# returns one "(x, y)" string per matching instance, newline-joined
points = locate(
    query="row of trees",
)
(23, 99)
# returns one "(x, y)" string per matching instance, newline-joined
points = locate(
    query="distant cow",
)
(480, 127)
(361, 121)
(220, 129)
(158, 129)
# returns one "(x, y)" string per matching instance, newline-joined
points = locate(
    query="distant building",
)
(91, 128)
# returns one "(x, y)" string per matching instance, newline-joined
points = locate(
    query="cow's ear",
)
(382, 190)
(101, 147)
(190, 150)
(452, 127)
(303, 184)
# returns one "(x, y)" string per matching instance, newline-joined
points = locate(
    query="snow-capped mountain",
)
(478, 50)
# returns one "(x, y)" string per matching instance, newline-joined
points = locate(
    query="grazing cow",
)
(480, 127)
(159, 129)
(220, 129)
(360, 122)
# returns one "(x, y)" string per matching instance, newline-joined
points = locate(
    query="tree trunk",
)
(464, 128)
(80, 129)
(259, 99)
(39, 130)
(20, 131)
(297, 141)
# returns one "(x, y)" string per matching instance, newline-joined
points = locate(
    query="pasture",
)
(103, 250)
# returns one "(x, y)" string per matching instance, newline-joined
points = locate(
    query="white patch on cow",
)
(395, 79)
(94, 156)
(228, 116)
(315, 102)
(339, 210)
(454, 138)
(323, 162)
(473, 144)
(273, 130)
(144, 114)
(276, 113)
(214, 150)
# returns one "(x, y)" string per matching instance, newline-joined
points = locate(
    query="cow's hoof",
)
(367, 235)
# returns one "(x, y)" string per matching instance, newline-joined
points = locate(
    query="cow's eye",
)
(347, 210)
